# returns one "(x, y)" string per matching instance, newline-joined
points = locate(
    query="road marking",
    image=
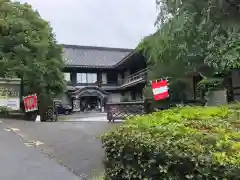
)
(28, 143)
(12, 129)
(15, 129)
(33, 143)
(7, 129)
(90, 119)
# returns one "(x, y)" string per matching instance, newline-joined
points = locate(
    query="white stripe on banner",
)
(160, 90)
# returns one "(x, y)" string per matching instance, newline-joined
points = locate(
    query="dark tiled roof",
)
(94, 57)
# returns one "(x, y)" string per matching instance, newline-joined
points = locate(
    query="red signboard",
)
(30, 103)
(160, 89)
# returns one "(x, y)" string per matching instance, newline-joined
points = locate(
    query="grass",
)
(64, 118)
(97, 175)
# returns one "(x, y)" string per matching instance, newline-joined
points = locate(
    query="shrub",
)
(4, 109)
(179, 143)
(235, 106)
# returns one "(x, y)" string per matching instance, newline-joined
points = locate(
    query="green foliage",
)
(234, 106)
(98, 178)
(4, 109)
(180, 143)
(175, 94)
(28, 50)
(192, 35)
(148, 93)
(209, 84)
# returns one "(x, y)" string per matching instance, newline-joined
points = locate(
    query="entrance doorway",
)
(90, 103)
(90, 98)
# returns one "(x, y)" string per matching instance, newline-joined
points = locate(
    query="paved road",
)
(86, 117)
(19, 162)
(74, 144)
(88, 114)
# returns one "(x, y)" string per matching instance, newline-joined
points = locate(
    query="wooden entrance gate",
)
(124, 110)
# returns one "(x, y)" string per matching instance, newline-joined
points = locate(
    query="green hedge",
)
(180, 143)
(8, 113)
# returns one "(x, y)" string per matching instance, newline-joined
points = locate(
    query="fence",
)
(123, 110)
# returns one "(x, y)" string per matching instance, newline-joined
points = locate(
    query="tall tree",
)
(28, 50)
(194, 34)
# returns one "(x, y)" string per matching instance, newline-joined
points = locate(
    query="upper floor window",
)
(91, 77)
(67, 77)
(81, 78)
(86, 78)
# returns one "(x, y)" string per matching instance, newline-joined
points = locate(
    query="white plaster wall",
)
(67, 76)
(126, 74)
(114, 97)
(104, 78)
(119, 78)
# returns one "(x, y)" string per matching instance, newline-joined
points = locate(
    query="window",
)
(86, 78)
(67, 77)
(91, 77)
(81, 78)
(112, 77)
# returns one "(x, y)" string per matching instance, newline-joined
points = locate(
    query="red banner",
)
(30, 103)
(160, 89)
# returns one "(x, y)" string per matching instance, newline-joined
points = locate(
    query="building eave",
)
(98, 47)
(125, 59)
(89, 67)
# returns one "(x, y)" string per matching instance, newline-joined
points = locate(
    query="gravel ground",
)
(73, 144)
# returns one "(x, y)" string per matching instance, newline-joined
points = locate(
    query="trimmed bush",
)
(8, 113)
(4, 109)
(180, 143)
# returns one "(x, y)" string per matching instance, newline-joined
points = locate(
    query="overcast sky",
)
(110, 23)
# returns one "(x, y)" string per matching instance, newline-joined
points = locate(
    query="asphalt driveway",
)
(21, 162)
(73, 144)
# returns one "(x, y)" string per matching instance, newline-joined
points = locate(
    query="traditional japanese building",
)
(98, 74)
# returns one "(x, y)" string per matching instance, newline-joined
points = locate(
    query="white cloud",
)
(98, 22)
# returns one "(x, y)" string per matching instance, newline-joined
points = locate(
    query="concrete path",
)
(20, 162)
(73, 144)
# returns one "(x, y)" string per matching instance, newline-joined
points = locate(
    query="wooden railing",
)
(138, 76)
